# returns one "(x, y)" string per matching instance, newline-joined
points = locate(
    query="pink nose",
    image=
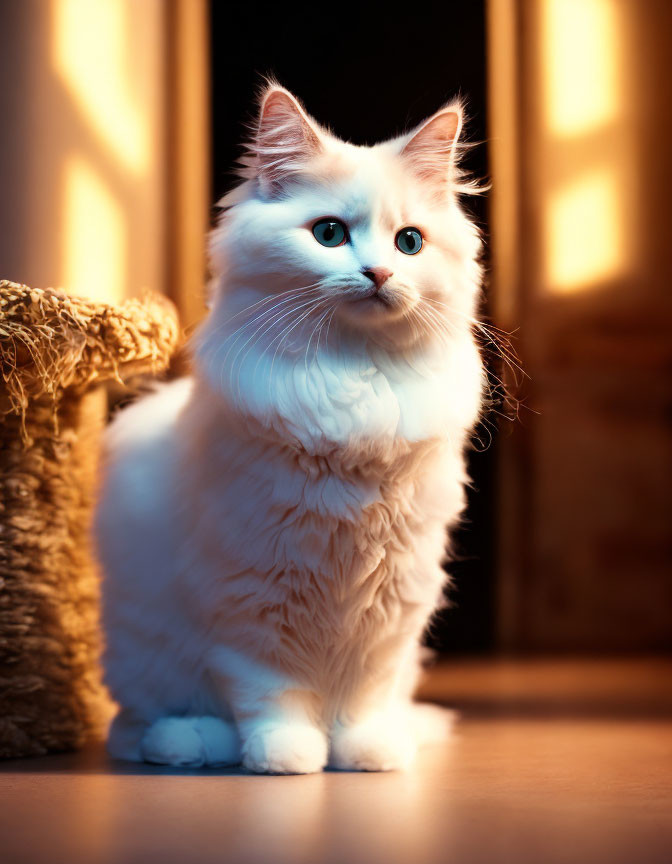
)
(378, 275)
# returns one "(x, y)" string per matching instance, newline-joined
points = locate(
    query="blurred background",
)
(121, 120)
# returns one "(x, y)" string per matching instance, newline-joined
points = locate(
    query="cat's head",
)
(371, 239)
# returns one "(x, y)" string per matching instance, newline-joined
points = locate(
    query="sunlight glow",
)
(584, 232)
(90, 38)
(580, 42)
(94, 236)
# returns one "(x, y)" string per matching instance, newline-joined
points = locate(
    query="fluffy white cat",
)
(272, 528)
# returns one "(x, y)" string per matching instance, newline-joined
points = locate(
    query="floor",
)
(550, 762)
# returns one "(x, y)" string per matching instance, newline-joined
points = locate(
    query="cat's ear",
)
(286, 138)
(430, 149)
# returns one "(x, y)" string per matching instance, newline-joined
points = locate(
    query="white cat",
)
(272, 528)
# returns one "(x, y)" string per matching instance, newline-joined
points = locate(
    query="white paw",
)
(285, 749)
(372, 746)
(191, 742)
(432, 724)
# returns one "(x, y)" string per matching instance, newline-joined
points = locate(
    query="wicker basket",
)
(55, 353)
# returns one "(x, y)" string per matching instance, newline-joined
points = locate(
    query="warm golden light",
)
(90, 38)
(584, 232)
(580, 40)
(94, 241)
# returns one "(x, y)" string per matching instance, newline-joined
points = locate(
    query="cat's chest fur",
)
(347, 533)
(332, 551)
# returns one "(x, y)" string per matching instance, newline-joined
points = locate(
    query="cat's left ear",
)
(287, 137)
(430, 148)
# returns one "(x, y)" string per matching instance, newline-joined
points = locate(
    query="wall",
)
(83, 157)
(580, 223)
(104, 156)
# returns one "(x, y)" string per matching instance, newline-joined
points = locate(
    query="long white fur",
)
(272, 528)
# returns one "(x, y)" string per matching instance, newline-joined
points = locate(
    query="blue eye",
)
(330, 232)
(409, 241)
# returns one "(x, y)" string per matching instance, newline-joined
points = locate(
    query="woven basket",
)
(55, 353)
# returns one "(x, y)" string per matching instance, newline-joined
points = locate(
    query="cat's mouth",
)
(375, 305)
(378, 298)
(373, 299)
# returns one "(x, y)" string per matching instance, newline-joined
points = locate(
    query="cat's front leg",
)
(276, 716)
(375, 730)
(379, 741)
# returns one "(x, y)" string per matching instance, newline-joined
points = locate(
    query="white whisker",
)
(282, 336)
(259, 333)
(235, 335)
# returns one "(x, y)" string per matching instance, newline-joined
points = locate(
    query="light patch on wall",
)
(584, 233)
(94, 243)
(90, 41)
(580, 49)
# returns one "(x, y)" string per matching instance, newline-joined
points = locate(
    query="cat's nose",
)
(378, 275)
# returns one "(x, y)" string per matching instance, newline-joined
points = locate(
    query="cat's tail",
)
(432, 724)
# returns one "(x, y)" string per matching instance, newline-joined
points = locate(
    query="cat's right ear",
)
(286, 139)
